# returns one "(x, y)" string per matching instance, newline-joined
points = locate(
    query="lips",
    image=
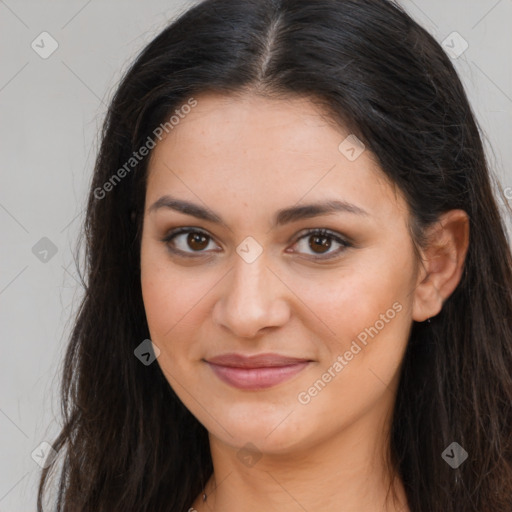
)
(256, 372)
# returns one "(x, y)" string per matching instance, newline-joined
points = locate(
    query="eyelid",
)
(324, 231)
(183, 230)
(340, 239)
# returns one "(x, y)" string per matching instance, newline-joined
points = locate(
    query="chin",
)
(276, 431)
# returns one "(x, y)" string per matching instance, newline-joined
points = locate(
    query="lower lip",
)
(256, 378)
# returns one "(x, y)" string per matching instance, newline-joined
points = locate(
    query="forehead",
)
(265, 152)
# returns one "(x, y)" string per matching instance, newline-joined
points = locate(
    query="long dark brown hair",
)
(127, 442)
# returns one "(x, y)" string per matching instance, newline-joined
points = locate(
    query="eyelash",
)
(311, 232)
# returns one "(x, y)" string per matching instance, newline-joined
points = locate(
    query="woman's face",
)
(331, 312)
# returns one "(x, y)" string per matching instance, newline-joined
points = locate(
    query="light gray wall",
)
(51, 111)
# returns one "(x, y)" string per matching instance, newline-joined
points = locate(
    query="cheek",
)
(163, 290)
(174, 301)
(156, 294)
(370, 313)
(369, 292)
(369, 310)
(169, 301)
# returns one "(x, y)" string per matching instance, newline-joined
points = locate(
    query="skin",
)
(245, 157)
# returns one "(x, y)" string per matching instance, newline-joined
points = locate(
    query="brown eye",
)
(320, 241)
(187, 241)
(197, 241)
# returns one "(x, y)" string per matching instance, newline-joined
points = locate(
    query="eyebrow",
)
(284, 216)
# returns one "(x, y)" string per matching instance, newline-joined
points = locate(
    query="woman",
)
(298, 281)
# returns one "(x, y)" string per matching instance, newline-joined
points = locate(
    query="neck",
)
(347, 473)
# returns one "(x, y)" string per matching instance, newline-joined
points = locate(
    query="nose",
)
(253, 299)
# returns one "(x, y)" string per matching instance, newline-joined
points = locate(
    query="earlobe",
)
(442, 263)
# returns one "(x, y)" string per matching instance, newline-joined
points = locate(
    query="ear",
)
(442, 263)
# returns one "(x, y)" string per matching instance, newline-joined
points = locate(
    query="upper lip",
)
(255, 361)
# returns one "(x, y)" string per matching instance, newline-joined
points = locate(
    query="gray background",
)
(51, 111)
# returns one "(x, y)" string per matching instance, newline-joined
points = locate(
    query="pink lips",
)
(255, 372)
